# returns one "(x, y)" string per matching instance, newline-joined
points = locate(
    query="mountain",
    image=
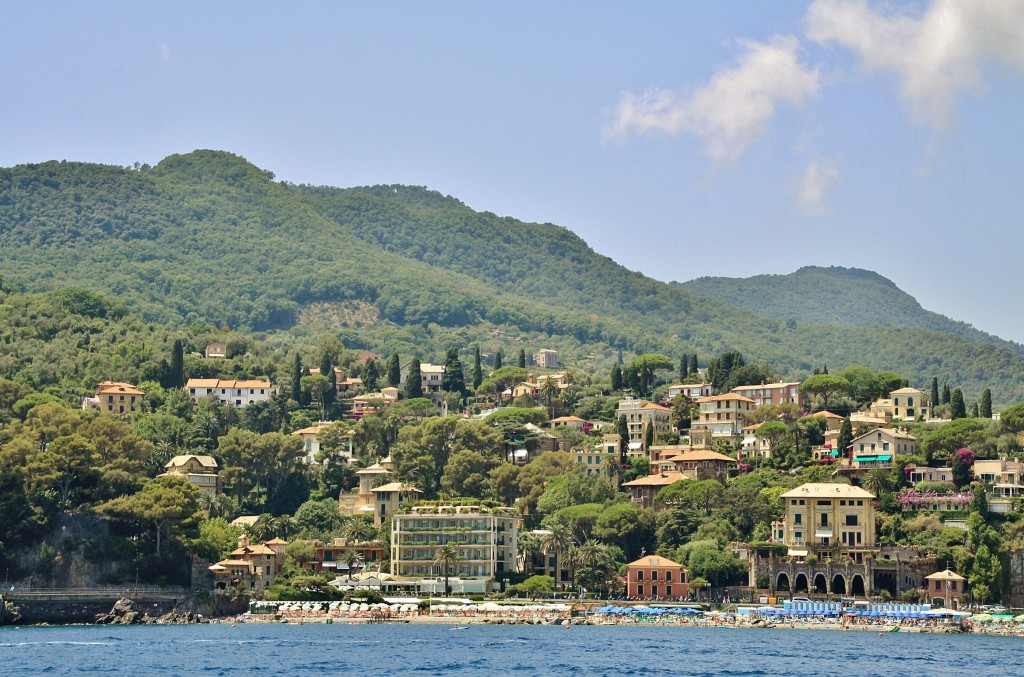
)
(208, 237)
(836, 295)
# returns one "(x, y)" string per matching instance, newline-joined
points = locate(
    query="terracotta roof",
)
(567, 419)
(110, 387)
(727, 396)
(178, 461)
(826, 414)
(946, 575)
(652, 405)
(224, 383)
(827, 490)
(654, 561)
(765, 386)
(660, 480)
(277, 541)
(701, 455)
(234, 563)
(253, 550)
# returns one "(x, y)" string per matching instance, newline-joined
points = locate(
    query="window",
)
(824, 519)
(798, 519)
(798, 535)
(654, 575)
(640, 590)
(640, 575)
(851, 520)
(668, 590)
(858, 538)
(952, 585)
(654, 590)
(668, 577)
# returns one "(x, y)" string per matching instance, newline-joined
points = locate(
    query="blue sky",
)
(680, 139)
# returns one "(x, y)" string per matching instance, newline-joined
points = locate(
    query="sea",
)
(341, 649)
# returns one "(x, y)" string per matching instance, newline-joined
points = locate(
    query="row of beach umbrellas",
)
(648, 611)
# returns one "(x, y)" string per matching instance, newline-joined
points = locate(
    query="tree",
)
(394, 371)
(497, 361)
(962, 468)
(447, 556)
(414, 381)
(622, 428)
(693, 364)
(985, 409)
(648, 436)
(466, 473)
(165, 502)
(478, 370)
(370, 376)
(643, 370)
(423, 450)
(877, 481)
(176, 372)
(627, 526)
(331, 387)
(684, 368)
(616, 377)
(454, 377)
(957, 409)
(946, 395)
(536, 586)
(297, 379)
(934, 396)
(556, 542)
(67, 461)
(521, 360)
(302, 552)
(845, 437)
(352, 558)
(314, 389)
(825, 386)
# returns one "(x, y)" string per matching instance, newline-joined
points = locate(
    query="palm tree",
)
(283, 526)
(557, 541)
(447, 556)
(351, 557)
(593, 557)
(262, 527)
(877, 481)
(359, 530)
(549, 391)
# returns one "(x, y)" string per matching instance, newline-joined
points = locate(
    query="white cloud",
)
(937, 55)
(732, 110)
(165, 52)
(815, 183)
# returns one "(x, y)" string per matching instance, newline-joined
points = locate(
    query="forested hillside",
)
(209, 237)
(835, 295)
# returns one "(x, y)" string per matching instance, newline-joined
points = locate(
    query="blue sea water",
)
(495, 650)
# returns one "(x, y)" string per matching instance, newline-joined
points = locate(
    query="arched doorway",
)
(887, 581)
(839, 584)
(782, 584)
(800, 583)
(857, 586)
(820, 584)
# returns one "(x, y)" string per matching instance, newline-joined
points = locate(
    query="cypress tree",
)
(974, 410)
(649, 436)
(394, 370)
(297, 379)
(478, 370)
(693, 364)
(327, 371)
(177, 370)
(454, 378)
(935, 392)
(986, 404)
(946, 395)
(956, 404)
(370, 376)
(616, 377)
(622, 428)
(497, 361)
(845, 437)
(684, 368)
(521, 360)
(414, 382)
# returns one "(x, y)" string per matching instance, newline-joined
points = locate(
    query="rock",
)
(122, 613)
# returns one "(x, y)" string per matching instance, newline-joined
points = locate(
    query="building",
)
(546, 358)
(656, 577)
(772, 393)
(216, 351)
(238, 394)
(645, 489)
(905, 404)
(876, 448)
(1002, 480)
(944, 589)
(431, 377)
(640, 414)
(720, 419)
(594, 458)
(311, 442)
(754, 446)
(333, 556)
(571, 422)
(692, 391)
(828, 515)
(115, 397)
(370, 403)
(361, 501)
(486, 542)
(700, 464)
(390, 498)
(200, 471)
(925, 474)
(251, 568)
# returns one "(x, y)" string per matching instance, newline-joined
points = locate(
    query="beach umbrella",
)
(982, 618)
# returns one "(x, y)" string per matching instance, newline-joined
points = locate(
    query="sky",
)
(681, 139)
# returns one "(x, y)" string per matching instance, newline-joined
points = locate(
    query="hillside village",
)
(342, 472)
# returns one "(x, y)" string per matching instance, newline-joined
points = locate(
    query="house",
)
(827, 515)
(311, 442)
(944, 588)
(594, 458)
(367, 403)
(772, 393)
(546, 358)
(720, 419)
(216, 351)
(702, 464)
(925, 474)
(332, 556)
(656, 577)
(1002, 479)
(251, 568)
(342, 383)
(365, 356)
(876, 448)
(390, 498)
(200, 471)
(905, 404)
(570, 422)
(362, 501)
(115, 397)
(431, 377)
(486, 541)
(645, 489)
(692, 391)
(239, 394)
(753, 446)
(639, 415)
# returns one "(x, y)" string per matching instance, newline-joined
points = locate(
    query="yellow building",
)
(825, 515)
(200, 471)
(115, 397)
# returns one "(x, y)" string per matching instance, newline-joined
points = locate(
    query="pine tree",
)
(497, 360)
(986, 404)
(616, 377)
(622, 428)
(684, 368)
(454, 378)
(935, 392)
(297, 379)
(177, 370)
(946, 395)
(414, 382)
(370, 376)
(394, 370)
(521, 361)
(478, 370)
(845, 437)
(974, 410)
(327, 371)
(957, 408)
(693, 364)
